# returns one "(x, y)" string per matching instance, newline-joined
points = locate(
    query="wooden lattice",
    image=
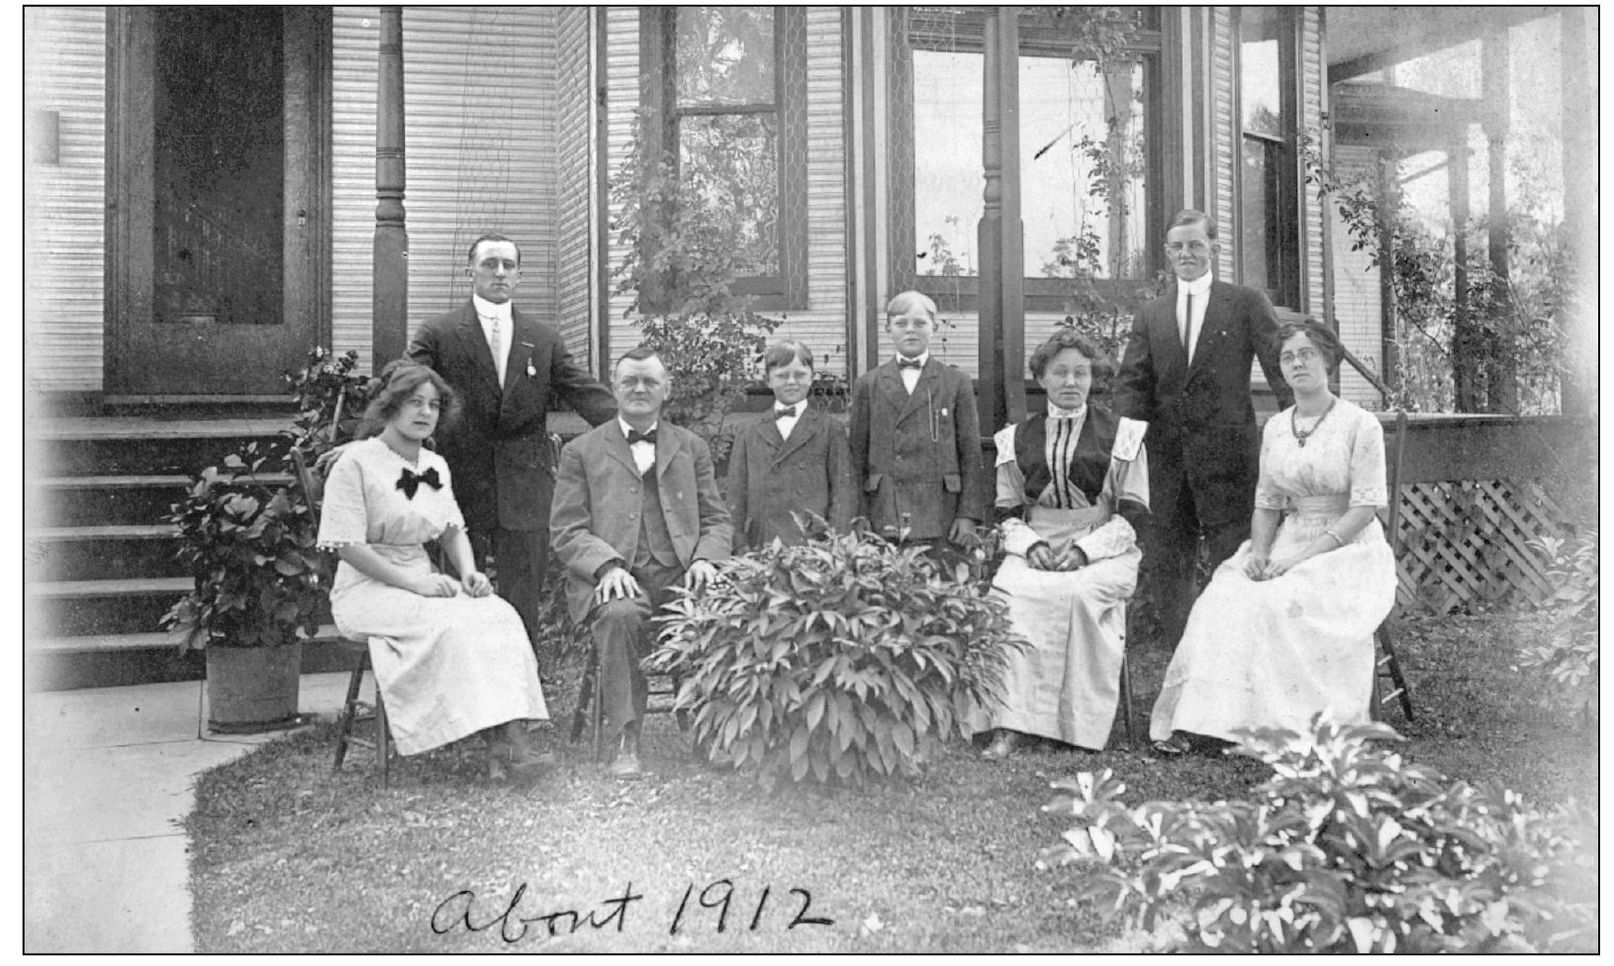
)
(1465, 542)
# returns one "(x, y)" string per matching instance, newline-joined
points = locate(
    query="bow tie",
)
(409, 482)
(784, 411)
(634, 436)
(903, 362)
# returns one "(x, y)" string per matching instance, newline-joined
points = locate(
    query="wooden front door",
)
(218, 229)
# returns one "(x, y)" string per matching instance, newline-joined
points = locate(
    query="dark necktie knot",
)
(903, 362)
(634, 436)
(784, 411)
(410, 481)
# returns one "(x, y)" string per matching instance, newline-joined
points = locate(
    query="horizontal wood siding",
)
(1224, 149)
(480, 103)
(1310, 121)
(65, 202)
(574, 271)
(622, 99)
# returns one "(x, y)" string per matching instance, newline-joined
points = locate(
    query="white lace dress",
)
(448, 666)
(1274, 653)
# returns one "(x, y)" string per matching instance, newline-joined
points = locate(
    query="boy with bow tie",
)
(915, 437)
(796, 460)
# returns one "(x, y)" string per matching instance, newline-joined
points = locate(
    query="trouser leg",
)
(623, 637)
(1177, 543)
(521, 557)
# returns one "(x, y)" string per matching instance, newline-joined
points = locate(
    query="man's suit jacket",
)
(598, 496)
(917, 455)
(1202, 431)
(770, 476)
(499, 449)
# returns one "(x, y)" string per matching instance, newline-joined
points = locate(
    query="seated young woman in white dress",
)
(1070, 484)
(1285, 628)
(451, 658)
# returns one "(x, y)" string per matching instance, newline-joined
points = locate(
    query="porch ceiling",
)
(1365, 39)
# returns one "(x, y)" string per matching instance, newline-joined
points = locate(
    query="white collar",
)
(1198, 286)
(490, 310)
(923, 358)
(1054, 412)
(627, 429)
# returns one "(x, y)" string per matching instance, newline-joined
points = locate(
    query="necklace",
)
(1302, 435)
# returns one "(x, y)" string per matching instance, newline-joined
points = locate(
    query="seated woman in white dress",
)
(1285, 628)
(451, 658)
(1070, 485)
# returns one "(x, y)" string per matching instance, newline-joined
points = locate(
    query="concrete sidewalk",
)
(108, 775)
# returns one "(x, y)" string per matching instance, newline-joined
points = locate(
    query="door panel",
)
(216, 208)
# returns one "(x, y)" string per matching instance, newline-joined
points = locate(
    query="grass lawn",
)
(289, 856)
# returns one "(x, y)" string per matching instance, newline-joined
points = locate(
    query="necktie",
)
(498, 348)
(903, 362)
(784, 411)
(634, 436)
(1188, 325)
(409, 482)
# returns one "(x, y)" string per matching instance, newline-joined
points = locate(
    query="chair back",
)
(1392, 523)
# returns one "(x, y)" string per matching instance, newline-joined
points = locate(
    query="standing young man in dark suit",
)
(510, 370)
(1186, 372)
(637, 510)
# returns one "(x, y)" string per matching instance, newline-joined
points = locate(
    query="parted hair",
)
(784, 352)
(1321, 336)
(492, 236)
(903, 301)
(1065, 338)
(399, 380)
(1193, 216)
(638, 353)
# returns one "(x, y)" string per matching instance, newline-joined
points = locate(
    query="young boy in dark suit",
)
(916, 440)
(795, 459)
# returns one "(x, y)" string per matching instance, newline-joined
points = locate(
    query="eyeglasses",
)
(1307, 355)
(1195, 247)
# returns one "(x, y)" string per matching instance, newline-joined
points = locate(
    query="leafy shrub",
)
(331, 398)
(1347, 848)
(1568, 660)
(250, 545)
(842, 660)
(710, 360)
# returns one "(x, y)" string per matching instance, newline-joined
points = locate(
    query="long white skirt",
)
(1274, 653)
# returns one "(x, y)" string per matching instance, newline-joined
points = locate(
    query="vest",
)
(655, 540)
(1089, 465)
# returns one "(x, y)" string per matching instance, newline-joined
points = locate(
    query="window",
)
(728, 85)
(1268, 239)
(1086, 156)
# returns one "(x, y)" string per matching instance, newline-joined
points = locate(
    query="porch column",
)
(1467, 354)
(1501, 382)
(389, 314)
(1000, 237)
(1579, 134)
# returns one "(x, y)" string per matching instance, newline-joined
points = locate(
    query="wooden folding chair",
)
(1386, 665)
(661, 697)
(354, 711)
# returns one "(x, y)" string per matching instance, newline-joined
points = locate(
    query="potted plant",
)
(250, 545)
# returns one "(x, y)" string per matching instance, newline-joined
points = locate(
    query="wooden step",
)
(103, 552)
(145, 445)
(115, 660)
(128, 605)
(107, 643)
(111, 499)
(122, 587)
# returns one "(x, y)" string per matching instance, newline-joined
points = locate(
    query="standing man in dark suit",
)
(1186, 372)
(510, 370)
(637, 511)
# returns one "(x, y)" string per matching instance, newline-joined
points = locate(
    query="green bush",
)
(1568, 660)
(838, 661)
(1346, 848)
(710, 360)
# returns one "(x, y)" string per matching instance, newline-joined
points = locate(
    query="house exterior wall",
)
(1358, 306)
(481, 108)
(65, 200)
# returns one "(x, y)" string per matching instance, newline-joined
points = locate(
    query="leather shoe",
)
(1174, 747)
(1003, 745)
(625, 766)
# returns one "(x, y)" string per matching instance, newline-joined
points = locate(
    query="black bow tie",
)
(784, 411)
(410, 482)
(634, 436)
(903, 362)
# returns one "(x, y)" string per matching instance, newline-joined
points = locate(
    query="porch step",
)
(103, 552)
(146, 445)
(114, 660)
(101, 499)
(71, 608)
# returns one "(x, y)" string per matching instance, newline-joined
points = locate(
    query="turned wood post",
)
(1000, 238)
(389, 320)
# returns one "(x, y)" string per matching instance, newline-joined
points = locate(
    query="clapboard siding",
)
(65, 220)
(622, 99)
(1358, 310)
(1224, 133)
(574, 271)
(1311, 112)
(480, 100)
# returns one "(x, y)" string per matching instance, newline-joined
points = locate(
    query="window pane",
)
(1260, 232)
(724, 56)
(731, 163)
(218, 135)
(947, 160)
(1260, 88)
(1082, 154)
(1083, 182)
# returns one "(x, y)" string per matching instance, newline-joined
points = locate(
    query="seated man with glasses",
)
(1186, 372)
